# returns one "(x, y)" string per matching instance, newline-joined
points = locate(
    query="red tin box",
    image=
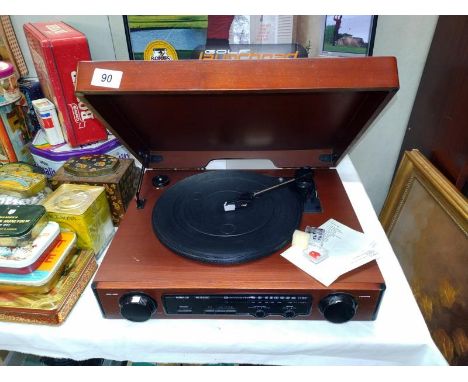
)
(56, 48)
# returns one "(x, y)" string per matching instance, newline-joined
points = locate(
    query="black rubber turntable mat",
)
(189, 217)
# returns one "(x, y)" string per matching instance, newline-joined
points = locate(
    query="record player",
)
(200, 243)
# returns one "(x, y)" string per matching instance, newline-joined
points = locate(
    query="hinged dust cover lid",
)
(182, 114)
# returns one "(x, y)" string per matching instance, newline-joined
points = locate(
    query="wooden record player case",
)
(177, 116)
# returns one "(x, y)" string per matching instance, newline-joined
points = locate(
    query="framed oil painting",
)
(426, 220)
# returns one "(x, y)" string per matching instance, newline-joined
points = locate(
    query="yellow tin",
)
(21, 183)
(17, 166)
(84, 210)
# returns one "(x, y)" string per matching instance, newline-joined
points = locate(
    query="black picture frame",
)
(342, 43)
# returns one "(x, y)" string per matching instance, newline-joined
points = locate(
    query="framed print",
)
(220, 37)
(348, 35)
(164, 37)
(426, 220)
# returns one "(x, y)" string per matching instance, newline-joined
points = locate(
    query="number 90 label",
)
(106, 78)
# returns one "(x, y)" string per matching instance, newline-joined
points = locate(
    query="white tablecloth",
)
(399, 336)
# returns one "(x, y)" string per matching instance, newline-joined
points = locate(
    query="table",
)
(399, 336)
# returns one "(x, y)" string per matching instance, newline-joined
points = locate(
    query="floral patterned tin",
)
(51, 308)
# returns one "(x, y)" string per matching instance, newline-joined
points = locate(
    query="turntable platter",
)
(189, 217)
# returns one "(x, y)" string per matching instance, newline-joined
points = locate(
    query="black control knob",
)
(338, 307)
(137, 306)
(160, 181)
(289, 313)
(259, 313)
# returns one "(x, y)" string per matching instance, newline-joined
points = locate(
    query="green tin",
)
(20, 224)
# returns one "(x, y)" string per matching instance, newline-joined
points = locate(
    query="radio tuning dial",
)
(137, 307)
(338, 307)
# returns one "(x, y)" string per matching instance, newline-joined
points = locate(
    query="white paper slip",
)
(106, 78)
(347, 250)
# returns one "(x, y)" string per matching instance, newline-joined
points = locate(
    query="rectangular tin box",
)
(20, 225)
(120, 185)
(43, 279)
(26, 259)
(51, 308)
(56, 48)
(20, 183)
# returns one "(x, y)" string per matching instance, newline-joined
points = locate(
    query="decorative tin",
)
(118, 176)
(9, 90)
(84, 210)
(17, 166)
(26, 259)
(92, 165)
(51, 158)
(14, 134)
(21, 183)
(20, 225)
(43, 279)
(53, 307)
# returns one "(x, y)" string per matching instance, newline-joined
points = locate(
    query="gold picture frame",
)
(426, 220)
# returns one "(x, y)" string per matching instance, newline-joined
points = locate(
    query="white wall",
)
(375, 155)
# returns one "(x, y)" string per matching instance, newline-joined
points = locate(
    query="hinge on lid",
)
(147, 159)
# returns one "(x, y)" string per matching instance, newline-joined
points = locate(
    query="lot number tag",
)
(106, 78)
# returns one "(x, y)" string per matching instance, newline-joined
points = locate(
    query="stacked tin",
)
(46, 259)
(33, 251)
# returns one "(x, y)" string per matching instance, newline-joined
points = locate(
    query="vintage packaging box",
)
(47, 116)
(31, 89)
(51, 308)
(118, 176)
(56, 49)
